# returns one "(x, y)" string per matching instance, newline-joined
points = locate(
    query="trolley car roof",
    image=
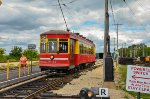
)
(73, 35)
(56, 32)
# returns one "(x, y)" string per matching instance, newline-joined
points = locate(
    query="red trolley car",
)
(62, 50)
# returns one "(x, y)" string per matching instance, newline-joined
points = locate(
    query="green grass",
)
(122, 82)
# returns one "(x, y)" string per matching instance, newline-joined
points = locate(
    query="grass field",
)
(122, 82)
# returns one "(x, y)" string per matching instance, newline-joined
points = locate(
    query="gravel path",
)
(90, 79)
(86, 80)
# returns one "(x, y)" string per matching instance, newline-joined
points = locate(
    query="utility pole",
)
(114, 44)
(117, 33)
(130, 52)
(108, 62)
(135, 50)
(143, 50)
(122, 50)
(105, 36)
(125, 50)
(106, 29)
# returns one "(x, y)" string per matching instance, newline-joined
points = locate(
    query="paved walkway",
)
(114, 93)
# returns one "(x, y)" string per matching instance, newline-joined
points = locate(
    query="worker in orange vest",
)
(23, 63)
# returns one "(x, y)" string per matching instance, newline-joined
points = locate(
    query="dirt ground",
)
(90, 79)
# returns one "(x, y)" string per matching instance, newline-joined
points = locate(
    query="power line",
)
(133, 14)
(112, 13)
(117, 33)
(129, 7)
(139, 3)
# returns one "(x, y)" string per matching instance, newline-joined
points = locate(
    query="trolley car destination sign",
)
(138, 79)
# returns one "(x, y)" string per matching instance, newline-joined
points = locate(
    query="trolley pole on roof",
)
(63, 16)
(108, 62)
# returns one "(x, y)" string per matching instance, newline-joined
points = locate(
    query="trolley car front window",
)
(52, 45)
(63, 45)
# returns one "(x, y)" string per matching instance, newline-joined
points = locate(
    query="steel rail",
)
(22, 83)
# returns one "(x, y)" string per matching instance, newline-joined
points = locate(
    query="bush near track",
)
(126, 61)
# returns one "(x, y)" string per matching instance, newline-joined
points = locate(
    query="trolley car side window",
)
(43, 44)
(43, 47)
(63, 45)
(52, 45)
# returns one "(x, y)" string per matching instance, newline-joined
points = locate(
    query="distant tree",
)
(141, 45)
(35, 54)
(2, 51)
(136, 50)
(16, 52)
(2, 55)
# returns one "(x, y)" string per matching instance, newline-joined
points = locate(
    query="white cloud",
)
(22, 21)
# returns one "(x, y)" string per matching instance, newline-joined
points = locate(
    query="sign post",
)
(138, 79)
(138, 95)
(31, 46)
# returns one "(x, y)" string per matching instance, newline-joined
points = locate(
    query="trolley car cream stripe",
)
(54, 59)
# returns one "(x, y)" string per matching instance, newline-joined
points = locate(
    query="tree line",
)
(135, 50)
(15, 54)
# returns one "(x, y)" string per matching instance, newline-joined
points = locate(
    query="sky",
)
(22, 21)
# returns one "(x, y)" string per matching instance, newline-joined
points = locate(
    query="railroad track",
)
(40, 87)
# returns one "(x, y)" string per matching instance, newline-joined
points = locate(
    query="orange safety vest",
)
(23, 60)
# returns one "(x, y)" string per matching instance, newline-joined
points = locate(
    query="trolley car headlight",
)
(90, 94)
(52, 57)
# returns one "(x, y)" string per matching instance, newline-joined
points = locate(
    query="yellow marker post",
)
(7, 71)
(28, 64)
(19, 66)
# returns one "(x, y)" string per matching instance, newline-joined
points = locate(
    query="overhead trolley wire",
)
(112, 13)
(66, 3)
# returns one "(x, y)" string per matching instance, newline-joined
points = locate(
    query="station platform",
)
(14, 78)
(14, 73)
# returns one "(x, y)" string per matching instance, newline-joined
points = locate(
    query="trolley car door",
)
(71, 52)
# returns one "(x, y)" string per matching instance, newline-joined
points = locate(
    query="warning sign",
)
(138, 79)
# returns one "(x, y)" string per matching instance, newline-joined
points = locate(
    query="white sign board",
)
(31, 46)
(138, 79)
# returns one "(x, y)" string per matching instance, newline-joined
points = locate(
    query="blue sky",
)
(22, 21)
